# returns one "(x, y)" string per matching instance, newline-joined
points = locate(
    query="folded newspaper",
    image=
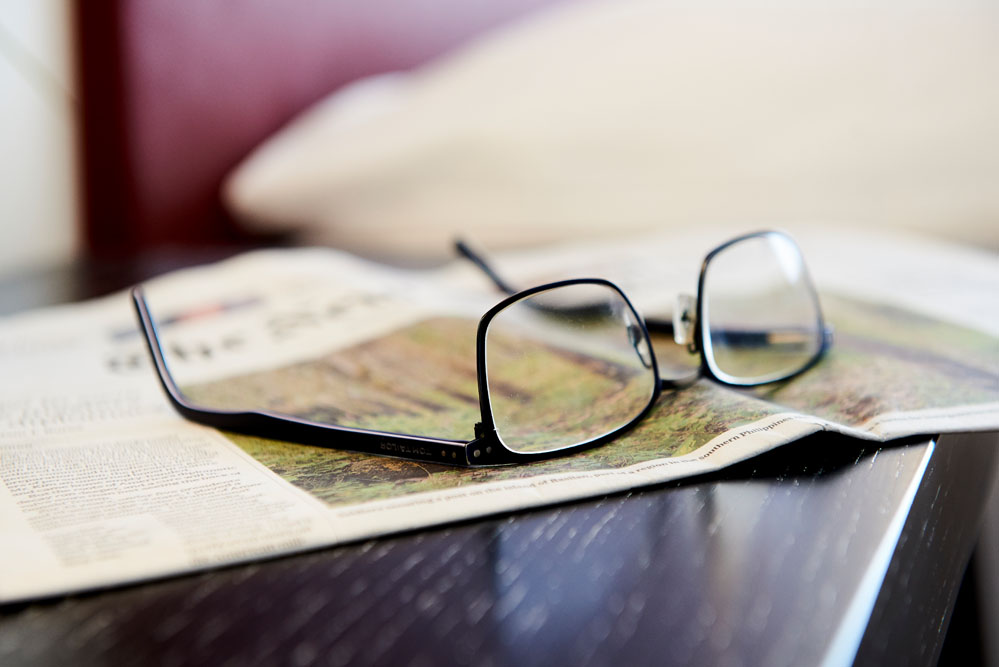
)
(102, 483)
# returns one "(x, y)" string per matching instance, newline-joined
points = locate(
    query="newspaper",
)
(101, 483)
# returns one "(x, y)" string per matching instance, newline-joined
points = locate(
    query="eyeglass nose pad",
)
(639, 344)
(684, 319)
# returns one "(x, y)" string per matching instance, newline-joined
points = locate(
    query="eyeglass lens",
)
(561, 375)
(759, 311)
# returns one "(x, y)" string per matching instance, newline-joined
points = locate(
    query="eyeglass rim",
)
(486, 448)
(701, 333)
(488, 423)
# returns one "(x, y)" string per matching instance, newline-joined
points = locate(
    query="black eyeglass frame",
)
(486, 448)
(701, 334)
(699, 338)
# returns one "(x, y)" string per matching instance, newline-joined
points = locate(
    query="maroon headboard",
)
(176, 92)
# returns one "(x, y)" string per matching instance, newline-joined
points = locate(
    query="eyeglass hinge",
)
(829, 333)
(480, 450)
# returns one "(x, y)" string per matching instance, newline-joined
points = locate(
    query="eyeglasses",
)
(569, 365)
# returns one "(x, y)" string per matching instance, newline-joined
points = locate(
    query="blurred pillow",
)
(603, 118)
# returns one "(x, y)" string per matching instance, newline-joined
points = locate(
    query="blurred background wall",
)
(39, 210)
(174, 95)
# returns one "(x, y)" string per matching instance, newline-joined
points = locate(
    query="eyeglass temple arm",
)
(654, 325)
(775, 337)
(479, 260)
(283, 427)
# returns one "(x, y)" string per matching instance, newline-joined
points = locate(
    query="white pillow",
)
(608, 117)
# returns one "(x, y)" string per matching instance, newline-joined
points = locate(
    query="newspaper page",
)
(101, 483)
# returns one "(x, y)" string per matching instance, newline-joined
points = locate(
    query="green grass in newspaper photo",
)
(421, 379)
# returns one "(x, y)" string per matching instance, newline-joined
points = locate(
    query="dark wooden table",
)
(825, 551)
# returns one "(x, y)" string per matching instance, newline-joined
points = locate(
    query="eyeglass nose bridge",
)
(684, 319)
